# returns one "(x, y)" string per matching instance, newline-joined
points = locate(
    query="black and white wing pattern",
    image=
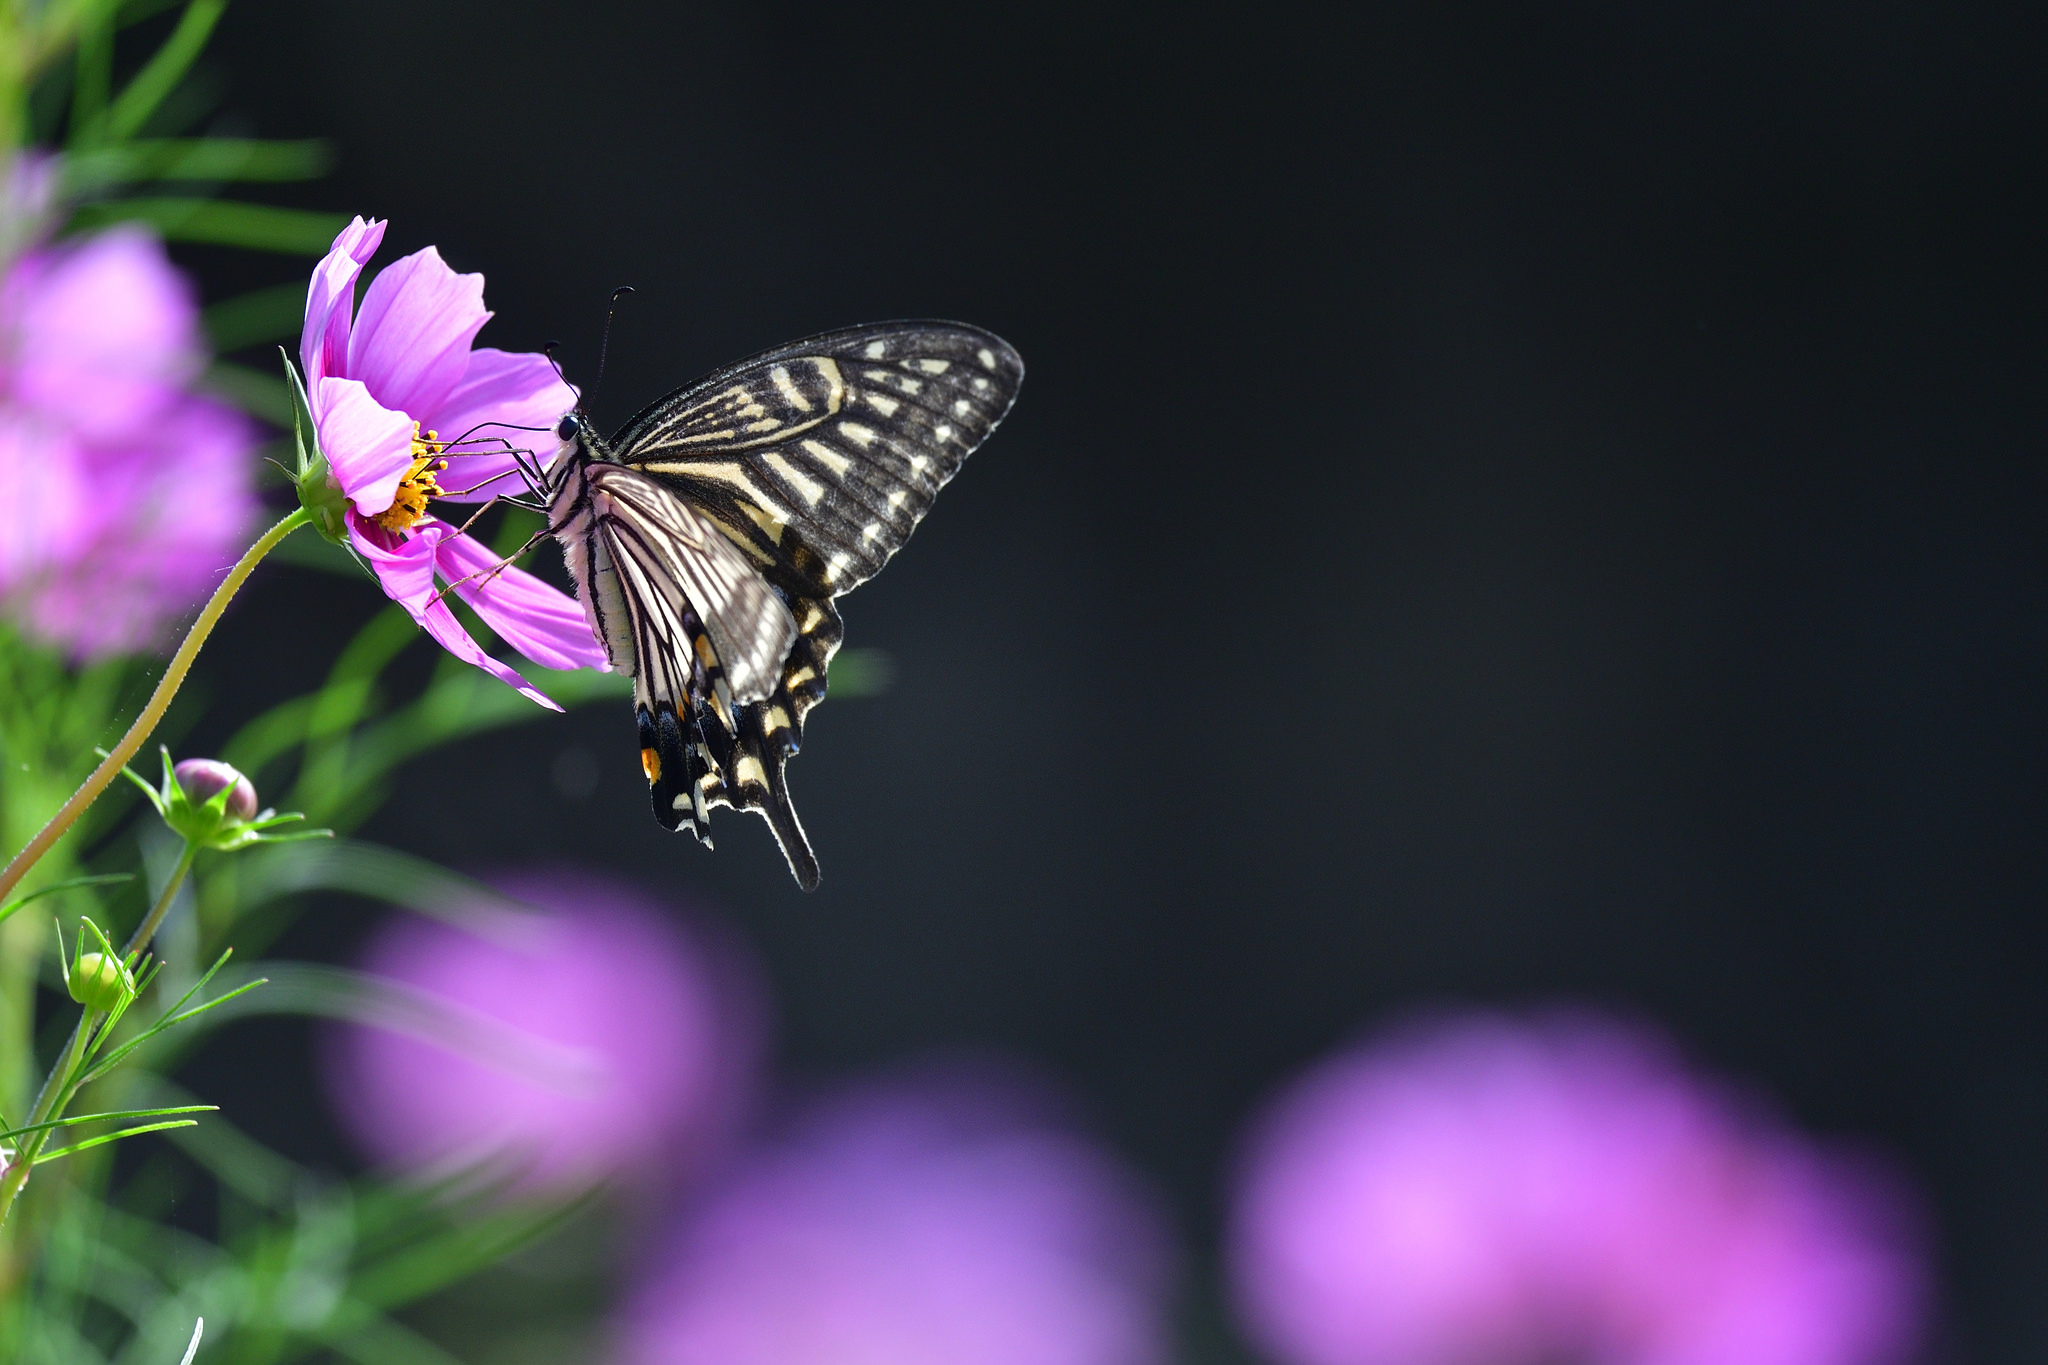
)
(819, 458)
(675, 568)
(732, 513)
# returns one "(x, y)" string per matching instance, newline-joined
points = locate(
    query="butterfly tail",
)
(789, 831)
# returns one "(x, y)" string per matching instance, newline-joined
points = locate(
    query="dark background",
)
(1508, 504)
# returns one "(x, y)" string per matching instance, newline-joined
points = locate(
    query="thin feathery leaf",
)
(109, 1117)
(114, 1058)
(210, 159)
(221, 222)
(161, 74)
(68, 884)
(263, 315)
(436, 1262)
(256, 392)
(44, 1158)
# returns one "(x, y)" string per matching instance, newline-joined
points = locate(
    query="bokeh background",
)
(1509, 504)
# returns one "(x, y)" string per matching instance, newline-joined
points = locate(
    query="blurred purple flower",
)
(124, 495)
(935, 1220)
(1491, 1192)
(406, 413)
(593, 1041)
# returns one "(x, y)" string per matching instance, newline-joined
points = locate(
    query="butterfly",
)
(712, 535)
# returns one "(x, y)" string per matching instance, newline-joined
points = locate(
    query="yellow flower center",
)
(409, 504)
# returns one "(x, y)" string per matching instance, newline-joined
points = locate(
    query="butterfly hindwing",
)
(752, 765)
(819, 458)
(673, 565)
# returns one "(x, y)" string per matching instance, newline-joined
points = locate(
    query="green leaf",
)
(95, 72)
(321, 992)
(66, 885)
(380, 874)
(434, 1262)
(209, 159)
(302, 552)
(171, 1017)
(861, 673)
(164, 70)
(46, 1157)
(263, 315)
(380, 1341)
(221, 222)
(12, 1133)
(256, 392)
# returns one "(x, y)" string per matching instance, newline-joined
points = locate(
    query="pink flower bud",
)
(203, 778)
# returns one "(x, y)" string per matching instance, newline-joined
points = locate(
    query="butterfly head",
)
(578, 437)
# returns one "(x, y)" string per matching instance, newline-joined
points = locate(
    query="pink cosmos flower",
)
(395, 389)
(594, 1040)
(930, 1220)
(124, 494)
(1486, 1191)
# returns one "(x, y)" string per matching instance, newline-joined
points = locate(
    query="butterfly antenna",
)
(604, 344)
(548, 349)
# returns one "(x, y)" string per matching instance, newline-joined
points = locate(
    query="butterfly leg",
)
(507, 562)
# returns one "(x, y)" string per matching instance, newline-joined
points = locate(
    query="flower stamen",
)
(409, 504)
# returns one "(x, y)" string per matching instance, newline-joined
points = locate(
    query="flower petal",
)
(103, 334)
(412, 334)
(331, 297)
(46, 499)
(405, 568)
(368, 445)
(166, 518)
(501, 389)
(540, 621)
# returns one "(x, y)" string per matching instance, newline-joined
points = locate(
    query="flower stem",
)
(152, 711)
(54, 1086)
(56, 1091)
(146, 930)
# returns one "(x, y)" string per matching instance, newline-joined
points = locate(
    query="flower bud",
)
(202, 779)
(100, 982)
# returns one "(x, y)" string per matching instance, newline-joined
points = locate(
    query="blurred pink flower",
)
(1491, 1192)
(124, 495)
(406, 413)
(934, 1220)
(595, 1040)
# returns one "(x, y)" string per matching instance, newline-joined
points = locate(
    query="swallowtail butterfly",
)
(712, 535)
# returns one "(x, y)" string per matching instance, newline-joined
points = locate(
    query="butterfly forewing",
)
(819, 458)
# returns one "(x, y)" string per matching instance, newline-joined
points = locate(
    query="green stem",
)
(146, 930)
(53, 1090)
(152, 711)
(57, 1086)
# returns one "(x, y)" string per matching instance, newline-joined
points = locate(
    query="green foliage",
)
(297, 1265)
(257, 227)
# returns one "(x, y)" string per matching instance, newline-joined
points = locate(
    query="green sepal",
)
(318, 493)
(206, 824)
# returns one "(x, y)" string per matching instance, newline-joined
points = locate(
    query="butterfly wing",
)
(813, 462)
(711, 649)
(819, 458)
(672, 563)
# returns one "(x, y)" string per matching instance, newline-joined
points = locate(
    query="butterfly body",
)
(711, 535)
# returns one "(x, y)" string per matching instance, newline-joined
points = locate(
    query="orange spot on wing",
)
(650, 763)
